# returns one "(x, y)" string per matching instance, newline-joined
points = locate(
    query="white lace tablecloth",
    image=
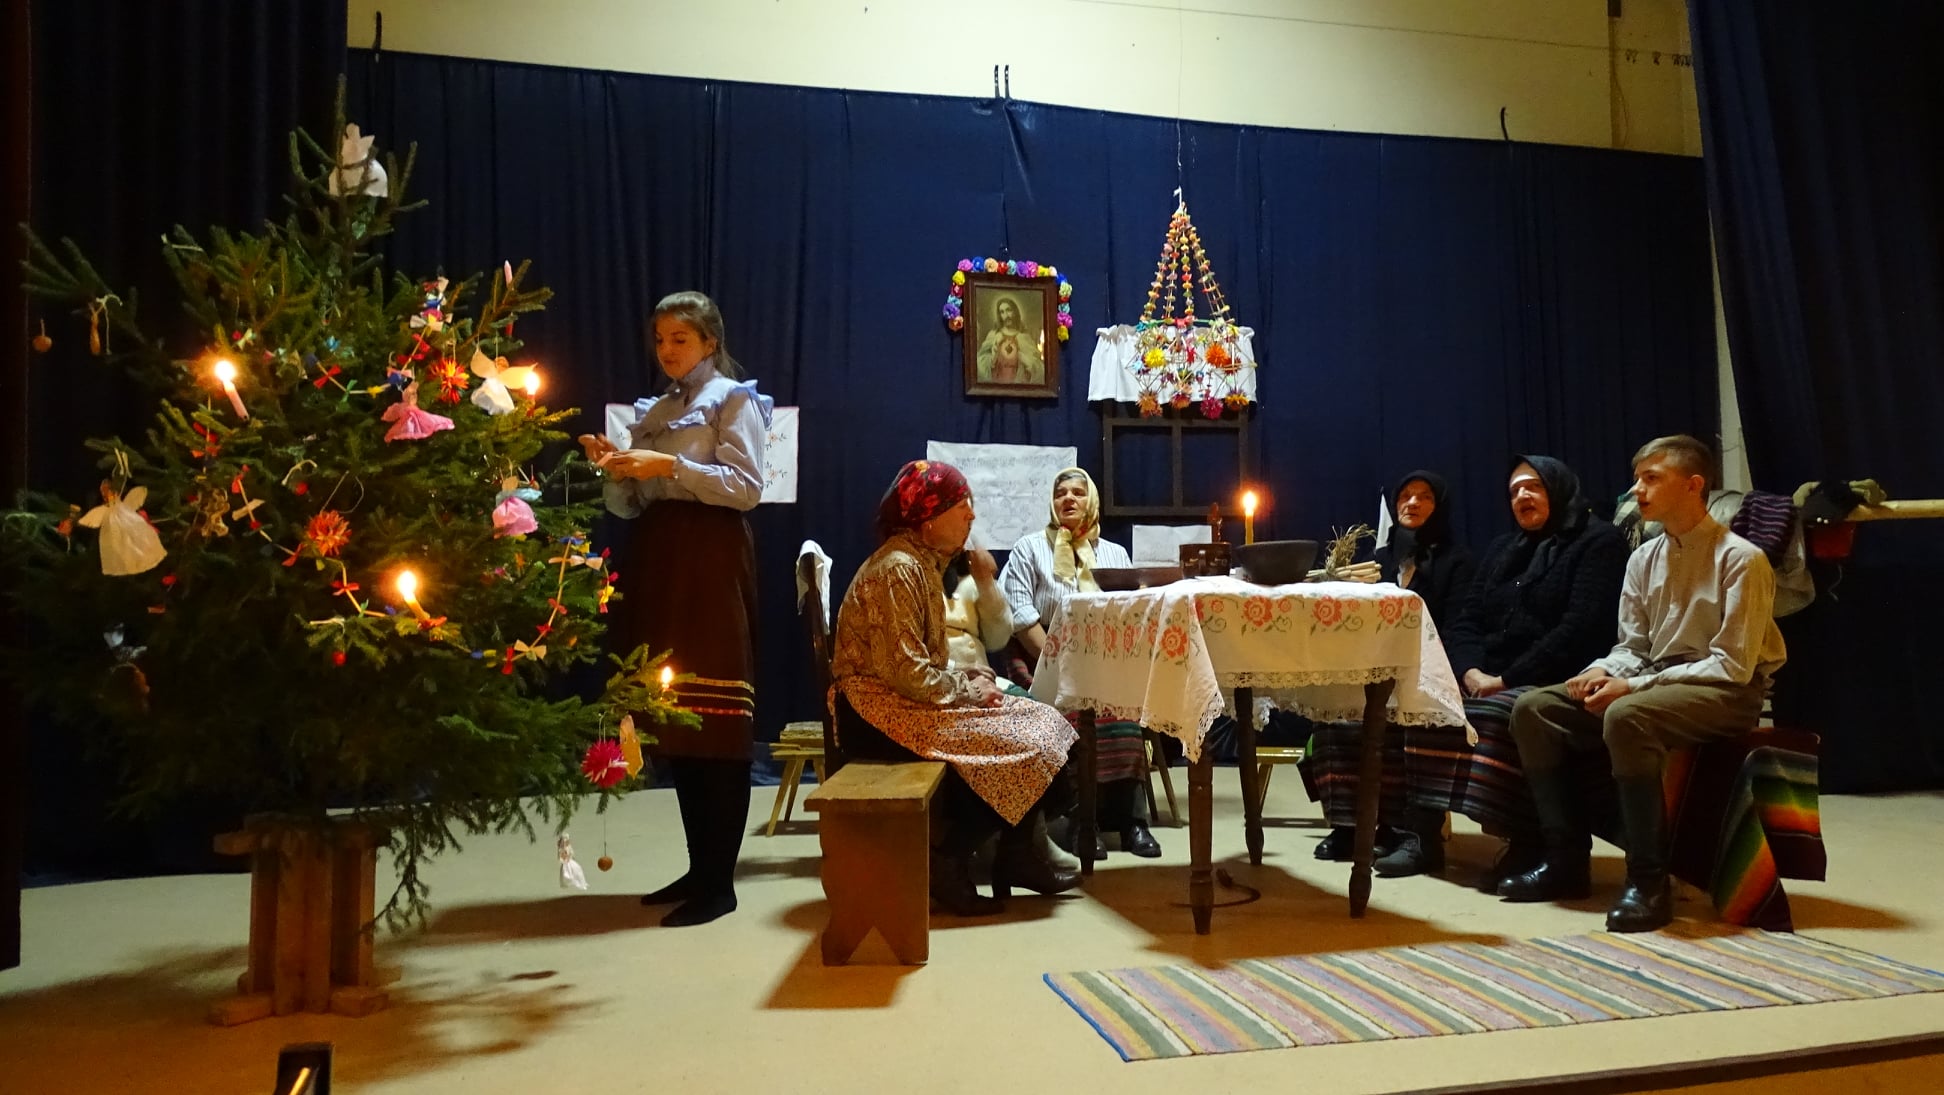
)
(1167, 658)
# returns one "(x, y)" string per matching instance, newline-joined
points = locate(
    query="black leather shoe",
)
(1137, 840)
(1018, 864)
(1338, 846)
(951, 888)
(1341, 845)
(1516, 858)
(1559, 878)
(1645, 904)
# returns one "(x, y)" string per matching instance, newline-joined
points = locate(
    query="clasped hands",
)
(626, 463)
(984, 686)
(1596, 689)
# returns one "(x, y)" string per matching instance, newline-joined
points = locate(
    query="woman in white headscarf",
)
(1043, 570)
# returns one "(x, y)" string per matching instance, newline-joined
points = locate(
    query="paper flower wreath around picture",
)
(954, 310)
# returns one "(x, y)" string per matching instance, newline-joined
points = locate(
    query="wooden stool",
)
(800, 743)
(1153, 753)
(1267, 757)
(876, 838)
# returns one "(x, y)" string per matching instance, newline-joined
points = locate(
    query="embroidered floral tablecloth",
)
(1168, 657)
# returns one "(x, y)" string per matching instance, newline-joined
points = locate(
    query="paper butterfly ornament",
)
(129, 544)
(409, 423)
(355, 162)
(496, 381)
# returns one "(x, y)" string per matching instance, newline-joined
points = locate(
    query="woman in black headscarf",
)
(1545, 602)
(1421, 557)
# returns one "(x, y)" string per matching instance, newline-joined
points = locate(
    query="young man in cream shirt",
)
(1698, 646)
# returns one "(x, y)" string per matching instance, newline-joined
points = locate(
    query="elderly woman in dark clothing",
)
(1421, 557)
(1545, 603)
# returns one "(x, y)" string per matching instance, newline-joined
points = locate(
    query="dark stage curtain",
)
(142, 116)
(1823, 128)
(1417, 302)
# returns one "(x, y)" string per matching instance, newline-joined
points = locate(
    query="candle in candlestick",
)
(408, 590)
(1248, 516)
(226, 373)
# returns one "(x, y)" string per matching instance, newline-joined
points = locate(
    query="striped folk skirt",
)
(1433, 767)
(691, 590)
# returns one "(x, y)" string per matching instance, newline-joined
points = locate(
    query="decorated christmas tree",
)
(331, 581)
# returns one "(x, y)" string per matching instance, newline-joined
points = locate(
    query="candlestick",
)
(1248, 516)
(226, 373)
(408, 589)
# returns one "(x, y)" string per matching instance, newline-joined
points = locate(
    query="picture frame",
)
(1014, 355)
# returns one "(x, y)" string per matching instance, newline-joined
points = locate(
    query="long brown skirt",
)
(691, 590)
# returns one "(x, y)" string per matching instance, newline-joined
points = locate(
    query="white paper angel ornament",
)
(129, 544)
(355, 163)
(496, 381)
(571, 875)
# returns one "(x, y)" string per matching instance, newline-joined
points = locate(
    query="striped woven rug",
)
(1464, 988)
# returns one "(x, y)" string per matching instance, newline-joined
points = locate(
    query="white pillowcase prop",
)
(497, 380)
(129, 544)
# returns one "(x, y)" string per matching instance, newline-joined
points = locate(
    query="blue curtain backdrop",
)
(1824, 133)
(143, 116)
(1417, 302)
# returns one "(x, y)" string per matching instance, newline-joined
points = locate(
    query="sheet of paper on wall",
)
(1160, 545)
(780, 476)
(1012, 486)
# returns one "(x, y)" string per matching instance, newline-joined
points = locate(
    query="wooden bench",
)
(876, 835)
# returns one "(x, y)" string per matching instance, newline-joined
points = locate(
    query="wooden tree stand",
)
(312, 888)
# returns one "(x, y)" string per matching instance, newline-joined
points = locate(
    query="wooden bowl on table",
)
(1275, 562)
(1118, 579)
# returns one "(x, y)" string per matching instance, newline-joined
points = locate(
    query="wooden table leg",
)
(1245, 756)
(1086, 835)
(1201, 874)
(1370, 776)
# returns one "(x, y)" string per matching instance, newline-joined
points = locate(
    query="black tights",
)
(713, 796)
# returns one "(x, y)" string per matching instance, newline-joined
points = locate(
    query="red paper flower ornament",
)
(604, 766)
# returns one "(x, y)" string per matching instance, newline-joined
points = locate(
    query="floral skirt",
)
(1008, 754)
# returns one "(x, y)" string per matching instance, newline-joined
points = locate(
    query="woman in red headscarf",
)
(895, 696)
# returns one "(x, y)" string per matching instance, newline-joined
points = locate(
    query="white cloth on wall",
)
(1111, 376)
(1012, 486)
(780, 456)
(1160, 545)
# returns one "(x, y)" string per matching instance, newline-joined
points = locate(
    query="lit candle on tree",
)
(1248, 516)
(533, 384)
(667, 678)
(226, 374)
(408, 591)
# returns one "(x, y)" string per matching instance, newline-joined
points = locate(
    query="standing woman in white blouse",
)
(693, 467)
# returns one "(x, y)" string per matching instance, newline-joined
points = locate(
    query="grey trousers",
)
(1637, 729)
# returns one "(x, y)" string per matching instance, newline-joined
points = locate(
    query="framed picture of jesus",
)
(1012, 343)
